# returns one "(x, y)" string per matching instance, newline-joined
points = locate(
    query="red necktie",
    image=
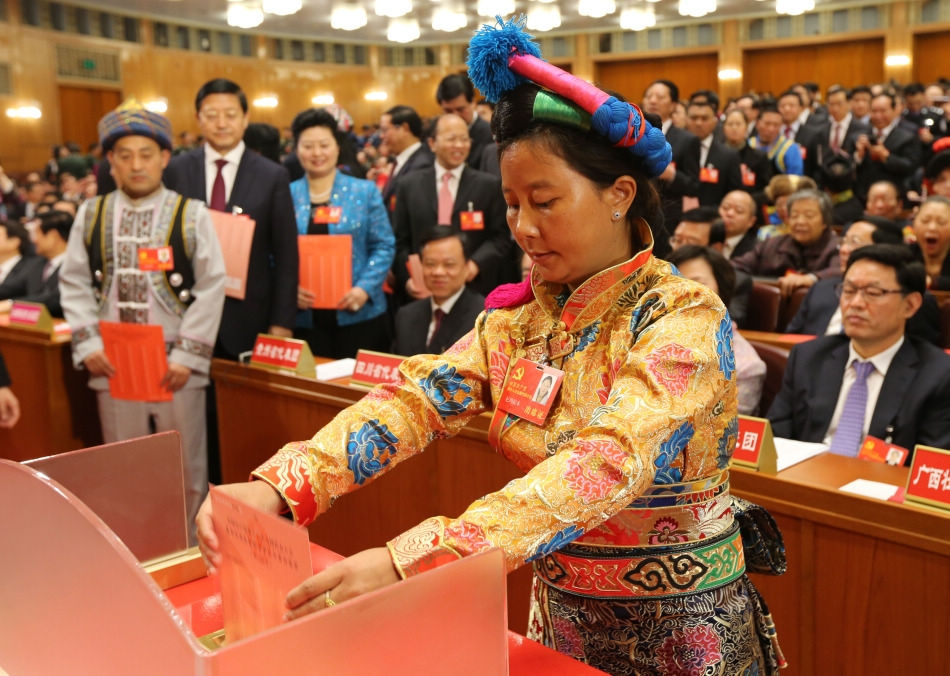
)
(439, 315)
(788, 131)
(218, 201)
(836, 137)
(445, 200)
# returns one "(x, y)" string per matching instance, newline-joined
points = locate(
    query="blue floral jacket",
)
(364, 217)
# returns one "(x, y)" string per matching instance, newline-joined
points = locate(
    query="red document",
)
(326, 267)
(263, 558)
(137, 351)
(235, 234)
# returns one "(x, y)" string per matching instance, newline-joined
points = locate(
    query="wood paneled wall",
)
(631, 77)
(847, 63)
(931, 56)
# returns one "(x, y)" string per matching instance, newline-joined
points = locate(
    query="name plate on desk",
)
(32, 316)
(755, 447)
(283, 354)
(373, 368)
(928, 483)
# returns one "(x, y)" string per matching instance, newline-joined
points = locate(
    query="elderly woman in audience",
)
(808, 252)
(708, 267)
(932, 230)
(755, 166)
(780, 188)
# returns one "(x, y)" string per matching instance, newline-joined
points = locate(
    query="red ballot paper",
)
(263, 558)
(137, 351)
(414, 266)
(326, 267)
(235, 234)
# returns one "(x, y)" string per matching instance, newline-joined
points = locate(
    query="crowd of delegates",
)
(782, 186)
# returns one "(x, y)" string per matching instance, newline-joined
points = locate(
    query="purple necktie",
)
(218, 200)
(850, 433)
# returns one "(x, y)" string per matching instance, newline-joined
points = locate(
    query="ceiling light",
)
(347, 17)
(596, 8)
(730, 74)
(376, 96)
(897, 60)
(322, 99)
(159, 105)
(637, 18)
(266, 101)
(393, 8)
(543, 17)
(448, 20)
(696, 8)
(241, 15)
(25, 112)
(402, 30)
(794, 7)
(281, 7)
(493, 8)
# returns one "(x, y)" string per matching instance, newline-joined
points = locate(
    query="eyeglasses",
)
(213, 115)
(871, 293)
(676, 241)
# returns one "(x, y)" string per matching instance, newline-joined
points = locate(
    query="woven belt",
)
(654, 572)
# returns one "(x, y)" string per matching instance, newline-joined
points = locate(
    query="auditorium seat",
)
(790, 306)
(775, 359)
(765, 300)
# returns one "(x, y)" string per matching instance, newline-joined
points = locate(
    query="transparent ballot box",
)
(77, 597)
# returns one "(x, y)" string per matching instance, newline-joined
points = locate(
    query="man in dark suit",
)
(456, 94)
(461, 199)
(797, 122)
(433, 324)
(820, 311)
(401, 130)
(228, 178)
(837, 134)
(874, 379)
(37, 281)
(739, 214)
(890, 153)
(681, 178)
(719, 171)
(15, 250)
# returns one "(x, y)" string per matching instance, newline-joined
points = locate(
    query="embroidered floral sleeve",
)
(435, 398)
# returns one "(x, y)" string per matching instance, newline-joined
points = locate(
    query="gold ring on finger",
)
(327, 601)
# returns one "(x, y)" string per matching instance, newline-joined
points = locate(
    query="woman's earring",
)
(616, 215)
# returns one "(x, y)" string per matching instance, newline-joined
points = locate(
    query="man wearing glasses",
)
(872, 379)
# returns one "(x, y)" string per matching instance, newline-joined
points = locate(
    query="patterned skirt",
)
(675, 603)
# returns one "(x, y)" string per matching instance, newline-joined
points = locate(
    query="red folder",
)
(235, 234)
(137, 351)
(326, 267)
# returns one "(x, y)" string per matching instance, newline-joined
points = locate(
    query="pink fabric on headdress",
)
(581, 92)
(510, 295)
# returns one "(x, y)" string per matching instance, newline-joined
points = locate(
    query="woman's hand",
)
(792, 281)
(364, 572)
(353, 300)
(258, 494)
(304, 298)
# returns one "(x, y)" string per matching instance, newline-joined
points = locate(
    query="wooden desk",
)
(784, 340)
(57, 410)
(868, 582)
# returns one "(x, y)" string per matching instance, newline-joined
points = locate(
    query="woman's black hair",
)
(587, 153)
(722, 269)
(315, 117)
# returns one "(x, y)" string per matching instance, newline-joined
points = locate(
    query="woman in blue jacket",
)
(327, 201)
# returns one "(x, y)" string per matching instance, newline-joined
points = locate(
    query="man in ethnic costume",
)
(143, 254)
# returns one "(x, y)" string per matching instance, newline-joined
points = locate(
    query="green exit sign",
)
(88, 64)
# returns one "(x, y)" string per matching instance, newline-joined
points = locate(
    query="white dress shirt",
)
(843, 126)
(403, 157)
(881, 361)
(730, 245)
(228, 171)
(456, 174)
(7, 265)
(704, 147)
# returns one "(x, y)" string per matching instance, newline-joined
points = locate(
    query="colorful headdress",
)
(939, 161)
(503, 56)
(131, 119)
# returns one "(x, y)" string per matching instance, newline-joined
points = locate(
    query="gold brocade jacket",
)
(648, 396)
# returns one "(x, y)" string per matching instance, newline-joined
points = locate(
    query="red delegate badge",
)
(530, 390)
(327, 214)
(709, 175)
(748, 176)
(878, 450)
(472, 220)
(156, 258)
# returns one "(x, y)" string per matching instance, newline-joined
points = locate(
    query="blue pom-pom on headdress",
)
(488, 54)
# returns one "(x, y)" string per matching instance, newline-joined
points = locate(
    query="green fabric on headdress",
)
(553, 108)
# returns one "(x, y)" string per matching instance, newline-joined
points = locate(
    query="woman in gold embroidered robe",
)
(623, 508)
